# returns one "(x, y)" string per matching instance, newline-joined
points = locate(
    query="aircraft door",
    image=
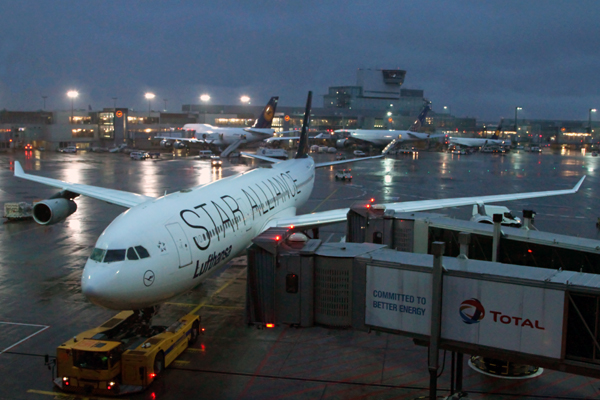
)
(181, 243)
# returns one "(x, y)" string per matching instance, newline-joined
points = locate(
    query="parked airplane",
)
(380, 137)
(162, 247)
(480, 142)
(218, 136)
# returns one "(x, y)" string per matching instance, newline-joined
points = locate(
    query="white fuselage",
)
(226, 136)
(477, 142)
(381, 137)
(191, 234)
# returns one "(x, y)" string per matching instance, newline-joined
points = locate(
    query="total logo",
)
(472, 312)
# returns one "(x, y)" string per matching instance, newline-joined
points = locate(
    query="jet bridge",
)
(415, 232)
(538, 316)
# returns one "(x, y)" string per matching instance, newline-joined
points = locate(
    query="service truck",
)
(123, 355)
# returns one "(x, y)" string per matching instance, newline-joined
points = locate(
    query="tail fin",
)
(498, 130)
(421, 118)
(303, 143)
(266, 118)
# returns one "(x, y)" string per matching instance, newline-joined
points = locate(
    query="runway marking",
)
(206, 305)
(194, 350)
(58, 395)
(181, 362)
(327, 198)
(199, 306)
(43, 328)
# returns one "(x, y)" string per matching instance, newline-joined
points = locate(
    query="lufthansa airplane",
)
(162, 247)
(479, 142)
(218, 136)
(381, 137)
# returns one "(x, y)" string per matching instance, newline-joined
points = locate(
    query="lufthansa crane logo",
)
(268, 114)
(471, 311)
(148, 278)
(119, 114)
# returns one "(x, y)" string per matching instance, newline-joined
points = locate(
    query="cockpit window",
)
(143, 253)
(98, 254)
(131, 255)
(114, 255)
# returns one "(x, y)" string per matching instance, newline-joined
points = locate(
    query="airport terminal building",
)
(377, 101)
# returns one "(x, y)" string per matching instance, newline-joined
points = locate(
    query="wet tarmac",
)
(42, 304)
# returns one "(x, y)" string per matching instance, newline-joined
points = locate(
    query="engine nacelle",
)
(341, 143)
(179, 145)
(51, 211)
(165, 144)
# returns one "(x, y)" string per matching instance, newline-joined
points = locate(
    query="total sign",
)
(504, 316)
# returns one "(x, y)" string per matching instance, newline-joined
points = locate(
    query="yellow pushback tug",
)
(123, 355)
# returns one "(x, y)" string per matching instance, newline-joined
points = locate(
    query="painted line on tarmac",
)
(43, 328)
(206, 306)
(327, 198)
(58, 395)
(204, 303)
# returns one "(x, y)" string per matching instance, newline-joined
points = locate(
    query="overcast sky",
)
(480, 58)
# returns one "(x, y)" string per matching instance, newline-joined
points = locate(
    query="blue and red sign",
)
(471, 311)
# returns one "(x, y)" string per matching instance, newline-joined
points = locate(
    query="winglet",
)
(19, 170)
(303, 143)
(576, 188)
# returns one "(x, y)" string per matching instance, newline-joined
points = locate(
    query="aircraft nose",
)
(99, 286)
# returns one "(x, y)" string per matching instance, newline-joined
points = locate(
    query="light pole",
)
(205, 98)
(165, 100)
(447, 109)
(149, 97)
(72, 94)
(517, 109)
(592, 110)
(115, 101)
(44, 97)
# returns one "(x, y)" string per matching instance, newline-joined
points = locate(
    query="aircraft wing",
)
(327, 164)
(339, 215)
(112, 196)
(264, 158)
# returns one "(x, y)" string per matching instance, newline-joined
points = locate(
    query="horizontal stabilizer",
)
(263, 158)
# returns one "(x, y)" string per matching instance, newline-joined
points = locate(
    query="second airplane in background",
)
(380, 137)
(222, 136)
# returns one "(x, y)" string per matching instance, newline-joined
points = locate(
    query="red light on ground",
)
(152, 375)
(529, 251)
(203, 329)
(270, 325)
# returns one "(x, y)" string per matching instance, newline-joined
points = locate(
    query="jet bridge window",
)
(114, 255)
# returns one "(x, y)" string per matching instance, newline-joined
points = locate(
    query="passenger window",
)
(114, 255)
(131, 254)
(143, 253)
(98, 254)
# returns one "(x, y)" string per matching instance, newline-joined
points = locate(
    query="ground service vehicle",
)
(123, 355)
(485, 215)
(205, 154)
(139, 155)
(344, 175)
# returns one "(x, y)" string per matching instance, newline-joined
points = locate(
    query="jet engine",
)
(179, 145)
(51, 211)
(340, 143)
(165, 144)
